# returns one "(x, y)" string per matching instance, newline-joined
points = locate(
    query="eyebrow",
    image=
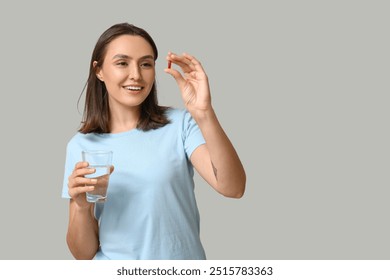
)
(124, 56)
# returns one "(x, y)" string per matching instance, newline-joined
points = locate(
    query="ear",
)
(98, 71)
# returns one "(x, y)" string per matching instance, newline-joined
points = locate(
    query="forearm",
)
(225, 171)
(227, 167)
(82, 236)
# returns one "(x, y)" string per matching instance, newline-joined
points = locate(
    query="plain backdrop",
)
(300, 87)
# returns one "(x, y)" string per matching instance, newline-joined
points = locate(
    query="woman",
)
(151, 212)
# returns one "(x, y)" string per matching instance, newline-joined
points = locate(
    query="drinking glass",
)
(101, 161)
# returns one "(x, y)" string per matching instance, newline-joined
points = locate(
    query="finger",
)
(83, 172)
(81, 164)
(111, 169)
(194, 62)
(183, 62)
(169, 60)
(81, 181)
(177, 76)
(79, 190)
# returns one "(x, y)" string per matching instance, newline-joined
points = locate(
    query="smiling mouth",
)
(134, 88)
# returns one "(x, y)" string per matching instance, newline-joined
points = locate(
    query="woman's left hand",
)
(193, 83)
(218, 156)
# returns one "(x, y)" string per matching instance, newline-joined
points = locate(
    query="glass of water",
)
(101, 161)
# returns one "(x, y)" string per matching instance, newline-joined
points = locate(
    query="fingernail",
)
(93, 181)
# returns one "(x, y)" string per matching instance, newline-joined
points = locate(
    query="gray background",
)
(301, 88)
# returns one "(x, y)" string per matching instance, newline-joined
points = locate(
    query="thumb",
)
(177, 76)
(111, 169)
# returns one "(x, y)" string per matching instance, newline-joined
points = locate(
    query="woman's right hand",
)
(78, 185)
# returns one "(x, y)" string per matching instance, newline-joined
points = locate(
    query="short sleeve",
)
(70, 162)
(192, 135)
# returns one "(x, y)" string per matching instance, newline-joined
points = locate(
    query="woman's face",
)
(128, 71)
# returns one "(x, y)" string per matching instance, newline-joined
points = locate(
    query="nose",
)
(134, 72)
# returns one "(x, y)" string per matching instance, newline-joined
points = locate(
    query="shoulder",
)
(80, 138)
(179, 116)
(77, 137)
(74, 139)
(176, 113)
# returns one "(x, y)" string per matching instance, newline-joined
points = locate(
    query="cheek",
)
(151, 74)
(149, 77)
(114, 80)
(152, 80)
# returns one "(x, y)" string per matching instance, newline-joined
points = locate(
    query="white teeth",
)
(133, 88)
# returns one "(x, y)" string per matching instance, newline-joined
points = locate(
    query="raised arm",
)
(216, 161)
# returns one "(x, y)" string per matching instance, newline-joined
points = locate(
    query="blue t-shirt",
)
(151, 211)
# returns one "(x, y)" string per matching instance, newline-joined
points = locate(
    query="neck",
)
(125, 120)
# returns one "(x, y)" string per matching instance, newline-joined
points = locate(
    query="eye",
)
(147, 65)
(122, 63)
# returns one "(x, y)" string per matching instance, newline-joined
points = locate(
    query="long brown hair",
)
(96, 116)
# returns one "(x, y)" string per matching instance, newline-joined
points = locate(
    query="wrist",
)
(84, 208)
(204, 116)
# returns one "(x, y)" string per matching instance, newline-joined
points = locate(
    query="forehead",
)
(132, 46)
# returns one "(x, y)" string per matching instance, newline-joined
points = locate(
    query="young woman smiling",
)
(151, 210)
